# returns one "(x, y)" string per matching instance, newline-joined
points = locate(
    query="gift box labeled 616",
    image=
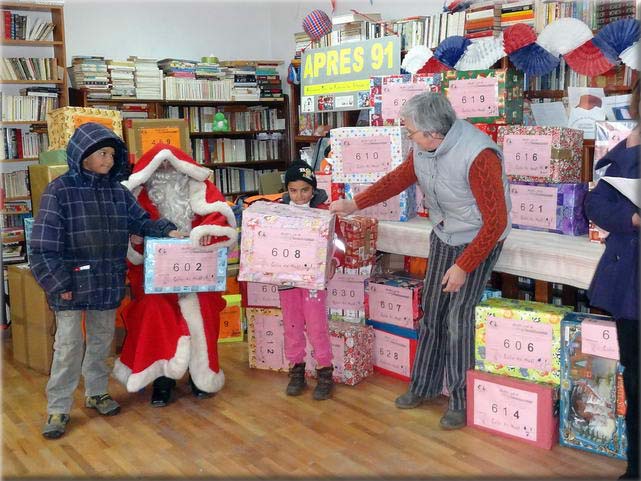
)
(286, 245)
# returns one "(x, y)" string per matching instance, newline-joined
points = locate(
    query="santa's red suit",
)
(169, 333)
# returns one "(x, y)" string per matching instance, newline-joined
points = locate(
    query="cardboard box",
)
(359, 234)
(396, 299)
(541, 154)
(521, 410)
(493, 96)
(142, 134)
(39, 177)
(519, 339)
(389, 93)
(286, 245)
(231, 320)
(592, 398)
(17, 303)
(266, 339)
(394, 350)
(365, 154)
(401, 207)
(63, 122)
(554, 208)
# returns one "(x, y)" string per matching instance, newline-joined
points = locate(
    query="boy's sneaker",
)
(55, 426)
(103, 404)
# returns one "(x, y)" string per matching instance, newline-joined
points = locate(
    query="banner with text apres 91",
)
(337, 78)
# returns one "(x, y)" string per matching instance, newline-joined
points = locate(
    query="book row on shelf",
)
(563, 77)
(316, 124)
(15, 184)
(21, 144)
(25, 27)
(237, 180)
(251, 118)
(29, 68)
(235, 150)
(134, 110)
(26, 108)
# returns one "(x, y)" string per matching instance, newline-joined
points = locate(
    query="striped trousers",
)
(446, 336)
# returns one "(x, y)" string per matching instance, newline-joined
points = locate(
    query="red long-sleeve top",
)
(487, 187)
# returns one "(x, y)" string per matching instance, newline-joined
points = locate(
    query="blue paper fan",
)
(451, 49)
(534, 60)
(615, 37)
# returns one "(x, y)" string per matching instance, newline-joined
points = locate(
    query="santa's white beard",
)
(168, 189)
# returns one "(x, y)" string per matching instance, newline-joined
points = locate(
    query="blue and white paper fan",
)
(564, 35)
(481, 54)
(615, 37)
(451, 49)
(534, 60)
(416, 57)
(630, 56)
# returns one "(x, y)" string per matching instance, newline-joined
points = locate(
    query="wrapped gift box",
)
(365, 154)
(521, 410)
(554, 208)
(396, 299)
(39, 177)
(607, 134)
(286, 245)
(401, 207)
(63, 122)
(389, 93)
(492, 130)
(519, 339)
(592, 397)
(233, 253)
(231, 320)
(416, 266)
(266, 339)
(541, 154)
(359, 234)
(174, 265)
(259, 294)
(493, 96)
(347, 294)
(352, 352)
(233, 287)
(394, 349)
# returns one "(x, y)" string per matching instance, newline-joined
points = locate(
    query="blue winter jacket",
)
(615, 286)
(81, 233)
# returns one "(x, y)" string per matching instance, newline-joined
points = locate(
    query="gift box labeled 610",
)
(174, 265)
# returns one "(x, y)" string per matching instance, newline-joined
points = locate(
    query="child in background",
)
(305, 309)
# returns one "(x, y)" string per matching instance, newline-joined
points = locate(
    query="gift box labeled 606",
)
(174, 265)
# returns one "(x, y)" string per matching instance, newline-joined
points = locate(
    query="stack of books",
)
(482, 20)
(517, 12)
(90, 73)
(147, 78)
(268, 81)
(245, 83)
(302, 41)
(121, 74)
(608, 12)
(354, 27)
(175, 67)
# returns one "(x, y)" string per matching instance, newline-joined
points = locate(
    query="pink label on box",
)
(389, 209)
(505, 409)
(527, 154)
(395, 94)
(600, 339)
(391, 304)
(324, 182)
(392, 352)
(269, 336)
(474, 97)
(518, 343)
(346, 291)
(533, 205)
(181, 265)
(367, 155)
(272, 252)
(264, 295)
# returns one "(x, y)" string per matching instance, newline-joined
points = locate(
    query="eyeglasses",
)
(432, 135)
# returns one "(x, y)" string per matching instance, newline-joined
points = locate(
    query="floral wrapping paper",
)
(570, 214)
(353, 352)
(566, 158)
(592, 414)
(296, 229)
(266, 339)
(509, 95)
(607, 134)
(401, 207)
(431, 83)
(358, 315)
(529, 314)
(399, 149)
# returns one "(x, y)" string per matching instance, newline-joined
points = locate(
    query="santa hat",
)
(204, 198)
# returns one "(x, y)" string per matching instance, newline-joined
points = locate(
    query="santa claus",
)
(170, 333)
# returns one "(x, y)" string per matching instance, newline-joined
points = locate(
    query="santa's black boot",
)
(196, 391)
(297, 382)
(161, 396)
(325, 385)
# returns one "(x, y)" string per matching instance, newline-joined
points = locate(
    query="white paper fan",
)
(564, 35)
(481, 54)
(416, 57)
(630, 56)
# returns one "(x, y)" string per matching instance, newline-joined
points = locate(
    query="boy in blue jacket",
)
(79, 245)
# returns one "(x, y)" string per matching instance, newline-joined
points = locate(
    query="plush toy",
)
(221, 124)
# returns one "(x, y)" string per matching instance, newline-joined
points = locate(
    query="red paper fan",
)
(518, 36)
(588, 60)
(433, 65)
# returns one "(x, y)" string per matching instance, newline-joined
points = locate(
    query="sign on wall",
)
(337, 78)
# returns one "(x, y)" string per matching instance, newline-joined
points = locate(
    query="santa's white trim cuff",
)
(133, 256)
(199, 232)
(200, 206)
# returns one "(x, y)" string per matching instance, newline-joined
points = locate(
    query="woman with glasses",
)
(460, 171)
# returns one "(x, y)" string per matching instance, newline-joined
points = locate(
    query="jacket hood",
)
(88, 135)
